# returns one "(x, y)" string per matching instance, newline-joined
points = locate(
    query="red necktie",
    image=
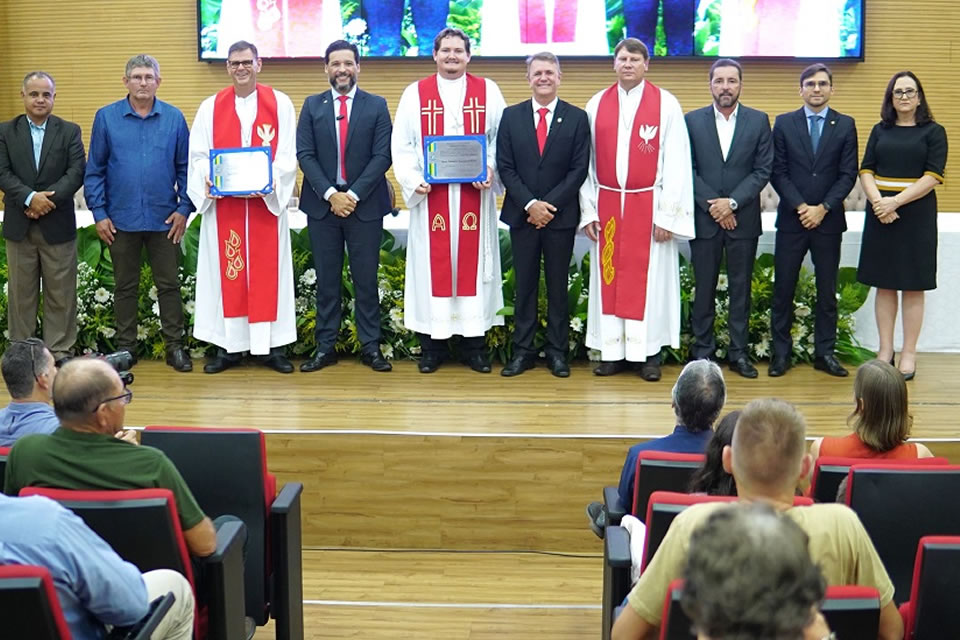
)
(343, 137)
(542, 128)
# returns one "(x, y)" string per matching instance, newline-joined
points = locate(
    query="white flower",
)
(380, 294)
(102, 295)
(722, 282)
(190, 307)
(6, 333)
(309, 277)
(387, 351)
(762, 349)
(142, 332)
(108, 332)
(576, 324)
(6, 287)
(156, 308)
(197, 352)
(802, 311)
(810, 349)
(415, 351)
(355, 28)
(152, 293)
(594, 355)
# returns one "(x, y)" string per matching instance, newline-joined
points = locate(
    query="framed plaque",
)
(454, 159)
(241, 171)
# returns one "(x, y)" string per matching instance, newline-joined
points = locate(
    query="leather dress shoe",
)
(479, 362)
(179, 359)
(517, 365)
(609, 367)
(133, 354)
(429, 362)
(558, 365)
(319, 361)
(375, 360)
(650, 369)
(831, 365)
(222, 361)
(779, 365)
(278, 362)
(597, 518)
(743, 367)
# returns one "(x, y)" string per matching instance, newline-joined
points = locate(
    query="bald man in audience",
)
(767, 458)
(91, 450)
(28, 371)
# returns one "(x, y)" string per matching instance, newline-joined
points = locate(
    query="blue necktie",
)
(815, 131)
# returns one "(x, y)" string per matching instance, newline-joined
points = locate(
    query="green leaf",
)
(190, 245)
(89, 247)
(506, 251)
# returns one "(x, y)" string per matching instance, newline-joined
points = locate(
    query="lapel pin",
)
(833, 122)
(559, 120)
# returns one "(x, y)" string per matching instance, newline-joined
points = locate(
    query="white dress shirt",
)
(725, 128)
(552, 108)
(336, 129)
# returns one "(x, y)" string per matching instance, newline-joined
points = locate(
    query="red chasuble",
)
(296, 34)
(625, 231)
(248, 289)
(438, 203)
(533, 21)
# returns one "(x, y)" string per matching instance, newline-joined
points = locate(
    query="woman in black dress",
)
(903, 162)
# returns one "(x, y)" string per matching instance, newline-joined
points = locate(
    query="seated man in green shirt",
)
(767, 458)
(86, 453)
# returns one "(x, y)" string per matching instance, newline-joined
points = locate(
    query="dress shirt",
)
(37, 131)
(551, 109)
(137, 168)
(336, 128)
(94, 585)
(807, 112)
(21, 418)
(726, 128)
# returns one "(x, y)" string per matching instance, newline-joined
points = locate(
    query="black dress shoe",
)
(597, 518)
(133, 354)
(831, 365)
(375, 360)
(179, 359)
(222, 361)
(278, 362)
(779, 365)
(517, 365)
(479, 362)
(429, 362)
(650, 370)
(319, 361)
(558, 366)
(743, 367)
(610, 367)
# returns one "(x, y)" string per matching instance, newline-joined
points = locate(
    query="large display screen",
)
(822, 29)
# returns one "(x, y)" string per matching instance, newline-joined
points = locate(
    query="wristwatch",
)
(826, 206)
(733, 204)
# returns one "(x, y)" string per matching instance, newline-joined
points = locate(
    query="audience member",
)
(94, 585)
(766, 459)
(697, 399)
(711, 478)
(749, 576)
(28, 371)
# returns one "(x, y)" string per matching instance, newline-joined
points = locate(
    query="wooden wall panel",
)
(86, 43)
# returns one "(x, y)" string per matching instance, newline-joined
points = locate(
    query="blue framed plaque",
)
(454, 159)
(241, 171)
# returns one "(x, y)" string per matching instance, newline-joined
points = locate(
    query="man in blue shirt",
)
(136, 187)
(698, 397)
(94, 585)
(28, 371)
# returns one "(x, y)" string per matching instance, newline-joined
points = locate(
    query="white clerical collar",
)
(733, 116)
(636, 91)
(550, 106)
(451, 82)
(247, 99)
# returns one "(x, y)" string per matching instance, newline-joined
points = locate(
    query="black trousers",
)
(362, 239)
(706, 255)
(791, 247)
(556, 247)
(469, 346)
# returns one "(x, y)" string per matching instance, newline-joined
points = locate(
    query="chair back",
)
(28, 601)
(852, 612)
(936, 583)
(662, 471)
(830, 471)
(898, 505)
(676, 625)
(4, 453)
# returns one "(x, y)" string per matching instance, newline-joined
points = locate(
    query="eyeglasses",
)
(236, 64)
(126, 396)
(31, 342)
(899, 94)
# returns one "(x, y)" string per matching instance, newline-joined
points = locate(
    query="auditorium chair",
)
(829, 472)
(29, 608)
(898, 505)
(932, 612)
(235, 481)
(4, 452)
(656, 471)
(143, 527)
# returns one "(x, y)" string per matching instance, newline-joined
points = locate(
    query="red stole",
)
(303, 27)
(625, 232)
(438, 204)
(533, 21)
(248, 289)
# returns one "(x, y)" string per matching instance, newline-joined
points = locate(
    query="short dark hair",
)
(711, 478)
(633, 45)
(749, 575)
(341, 45)
(699, 395)
(243, 45)
(727, 62)
(451, 32)
(813, 70)
(81, 385)
(22, 360)
(888, 114)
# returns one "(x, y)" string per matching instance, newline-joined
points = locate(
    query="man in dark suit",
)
(732, 158)
(814, 168)
(41, 168)
(343, 144)
(543, 153)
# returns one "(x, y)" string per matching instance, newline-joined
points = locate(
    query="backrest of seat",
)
(676, 625)
(4, 454)
(235, 482)
(28, 604)
(829, 472)
(935, 588)
(898, 505)
(662, 508)
(661, 471)
(852, 612)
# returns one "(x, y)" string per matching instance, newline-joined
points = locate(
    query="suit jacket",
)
(367, 154)
(801, 176)
(555, 176)
(741, 176)
(62, 162)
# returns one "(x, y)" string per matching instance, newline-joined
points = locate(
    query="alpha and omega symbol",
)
(438, 223)
(469, 221)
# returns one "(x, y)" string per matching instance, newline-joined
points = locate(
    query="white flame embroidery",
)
(647, 132)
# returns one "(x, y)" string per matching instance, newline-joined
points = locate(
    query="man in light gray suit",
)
(732, 159)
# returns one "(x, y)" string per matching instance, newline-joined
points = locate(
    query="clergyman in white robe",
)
(500, 30)
(236, 335)
(442, 317)
(635, 340)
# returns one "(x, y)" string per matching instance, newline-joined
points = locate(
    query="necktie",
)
(342, 119)
(542, 128)
(815, 131)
